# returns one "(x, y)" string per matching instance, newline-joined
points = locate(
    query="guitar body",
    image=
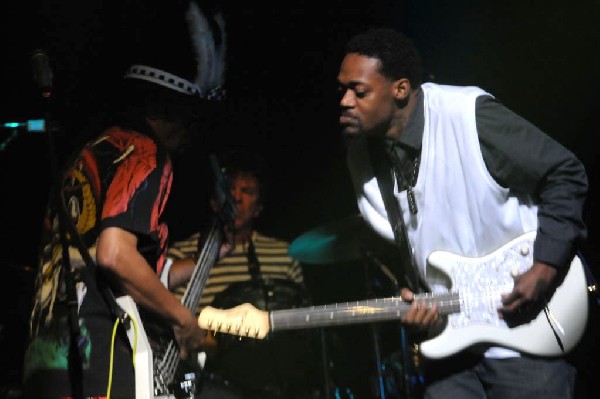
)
(138, 339)
(475, 285)
(550, 331)
(143, 342)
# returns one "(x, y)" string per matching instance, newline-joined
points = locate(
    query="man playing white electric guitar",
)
(449, 168)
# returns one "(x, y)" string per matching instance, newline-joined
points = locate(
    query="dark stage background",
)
(540, 58)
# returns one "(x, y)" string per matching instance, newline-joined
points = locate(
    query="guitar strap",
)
(592, 285)
(77, 240)
(253, 263)
(383, 171)
(254, 270)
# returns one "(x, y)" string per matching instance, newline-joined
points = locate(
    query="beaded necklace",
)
(403, 182)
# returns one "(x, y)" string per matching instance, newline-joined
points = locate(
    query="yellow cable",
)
(112, 350)
(135, 336)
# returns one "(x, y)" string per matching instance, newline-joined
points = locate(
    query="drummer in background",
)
(251, 257)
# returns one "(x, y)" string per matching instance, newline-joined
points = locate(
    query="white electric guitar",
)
(475, 287)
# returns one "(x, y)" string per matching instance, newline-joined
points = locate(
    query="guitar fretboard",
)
(167, 365)
(370, 310)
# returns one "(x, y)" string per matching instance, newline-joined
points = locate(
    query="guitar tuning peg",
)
(209, 324)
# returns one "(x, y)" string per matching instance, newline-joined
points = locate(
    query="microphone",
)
(42, 72)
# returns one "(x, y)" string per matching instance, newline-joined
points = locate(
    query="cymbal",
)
(338, 241)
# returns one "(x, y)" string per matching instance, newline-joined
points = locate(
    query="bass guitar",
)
(470, 305)
(156, 355)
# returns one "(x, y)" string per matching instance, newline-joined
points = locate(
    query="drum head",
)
(284, 362)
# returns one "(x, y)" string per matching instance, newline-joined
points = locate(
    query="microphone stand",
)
(43, 77)
(375, 335)
(409, 381)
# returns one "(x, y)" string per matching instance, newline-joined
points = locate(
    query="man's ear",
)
(402, 89)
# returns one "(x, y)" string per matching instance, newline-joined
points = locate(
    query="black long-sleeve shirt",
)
(521, 157)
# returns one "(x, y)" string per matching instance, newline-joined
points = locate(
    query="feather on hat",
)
(194, 64)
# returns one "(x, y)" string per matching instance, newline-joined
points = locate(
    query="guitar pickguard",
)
(482, 281)
(552, 328)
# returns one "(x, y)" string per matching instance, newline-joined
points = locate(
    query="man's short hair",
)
(399, 57)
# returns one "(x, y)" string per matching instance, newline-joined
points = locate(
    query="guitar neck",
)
(207, 257)
(167, 364)
(370, 310)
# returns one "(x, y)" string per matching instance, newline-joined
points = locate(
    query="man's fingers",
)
(431, 316)
(420, 314)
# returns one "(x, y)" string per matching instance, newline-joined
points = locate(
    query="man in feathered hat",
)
(105, 235)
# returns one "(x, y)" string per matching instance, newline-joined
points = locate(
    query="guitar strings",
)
(168, 364)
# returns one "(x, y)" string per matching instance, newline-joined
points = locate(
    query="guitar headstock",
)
(243, 320)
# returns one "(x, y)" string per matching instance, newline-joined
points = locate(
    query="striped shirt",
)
(272, 254)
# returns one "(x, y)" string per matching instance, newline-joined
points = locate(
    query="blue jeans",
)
(478, 378)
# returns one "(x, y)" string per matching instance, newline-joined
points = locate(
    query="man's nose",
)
(237, 195)
(347, 100)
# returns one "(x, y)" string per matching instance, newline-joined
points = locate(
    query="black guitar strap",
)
(254, 270)
(77, 240)
(253, 263)
(383, 171)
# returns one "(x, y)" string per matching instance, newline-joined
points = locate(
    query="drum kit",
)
(286, 356)
(395, 374)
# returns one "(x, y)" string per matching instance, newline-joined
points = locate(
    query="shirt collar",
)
(412, 135)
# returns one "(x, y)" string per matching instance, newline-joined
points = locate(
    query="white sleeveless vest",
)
(461, 208)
